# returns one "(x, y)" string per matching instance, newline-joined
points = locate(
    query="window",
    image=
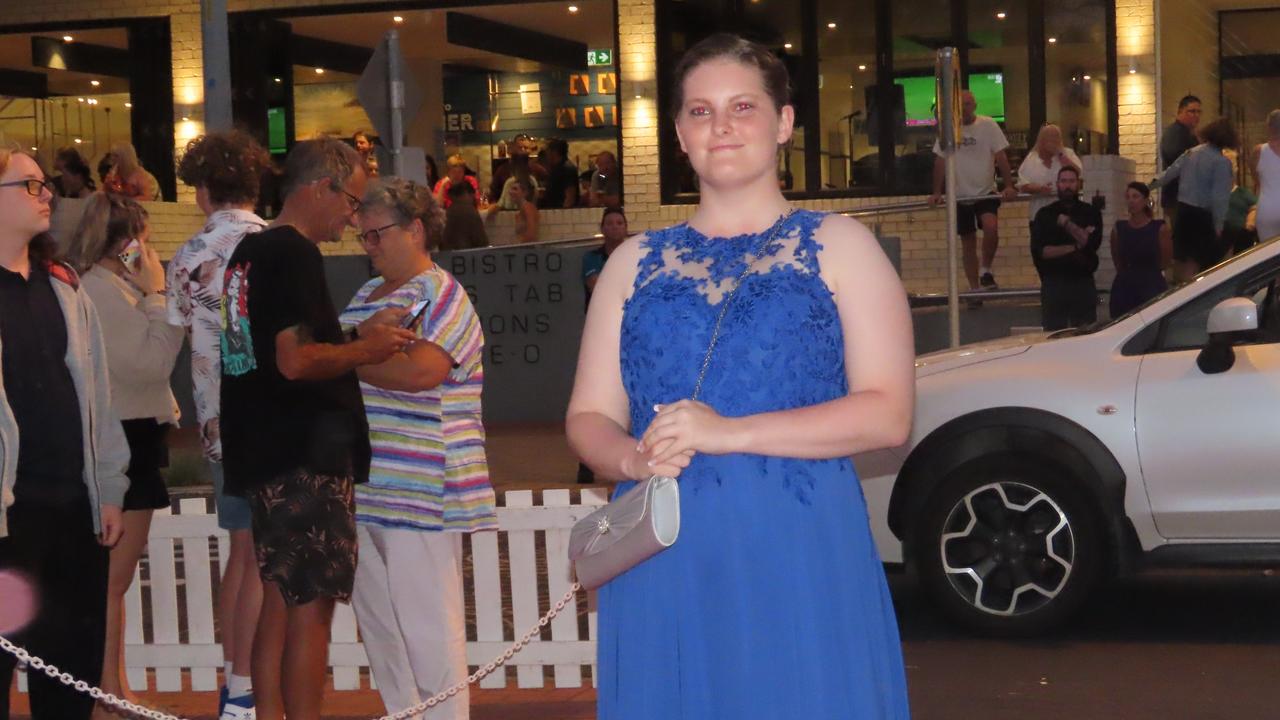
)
(1250, 70)
(1187, 327)
(865, 87)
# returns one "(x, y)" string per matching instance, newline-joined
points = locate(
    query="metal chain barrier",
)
(106, 698)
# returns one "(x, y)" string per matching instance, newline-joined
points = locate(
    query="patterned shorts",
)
(304, 535)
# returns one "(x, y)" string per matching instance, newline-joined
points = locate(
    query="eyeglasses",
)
(33, 186)
(353, 202)
(374, 236)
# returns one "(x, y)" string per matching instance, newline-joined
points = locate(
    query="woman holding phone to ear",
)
(123, 276)
(429, 480)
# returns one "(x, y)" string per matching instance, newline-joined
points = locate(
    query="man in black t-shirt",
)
(562, 177)
(294, 435)
(1177, 138)
(1065, 238)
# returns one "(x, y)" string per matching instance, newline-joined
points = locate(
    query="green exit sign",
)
(599, 58)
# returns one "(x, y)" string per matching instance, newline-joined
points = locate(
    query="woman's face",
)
(1136, 203)
(517, 193)
(1051, 141)
(614, 227)
(389, 247)
(729, 125)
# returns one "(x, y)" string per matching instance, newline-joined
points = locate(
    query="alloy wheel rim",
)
(1007, 548)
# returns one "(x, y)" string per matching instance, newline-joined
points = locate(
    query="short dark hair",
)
(1187, 100)
(1221, 134)
(1070, 169)
(726, 46)
(229, 165)
(559, 145)
(612, 210)
(1144, 190)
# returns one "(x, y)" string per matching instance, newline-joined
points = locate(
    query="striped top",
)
(429, 469)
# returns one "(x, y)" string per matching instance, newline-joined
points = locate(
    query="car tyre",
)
(1010, 545)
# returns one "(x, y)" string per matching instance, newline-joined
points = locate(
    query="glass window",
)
(920, 27)
(1076, 82)
(999, 71)
(846, 86)
(1250, 76)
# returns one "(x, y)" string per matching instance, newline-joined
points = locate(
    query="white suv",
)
(1041, 465)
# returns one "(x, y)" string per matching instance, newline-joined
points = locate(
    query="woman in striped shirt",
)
(429, 480)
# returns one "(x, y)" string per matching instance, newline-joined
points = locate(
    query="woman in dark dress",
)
(1141, 248)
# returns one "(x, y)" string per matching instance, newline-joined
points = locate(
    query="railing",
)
(173, 601)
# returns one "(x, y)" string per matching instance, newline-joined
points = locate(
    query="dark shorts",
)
(148, 453)
(969, 215)
(1195, 239)
(304, 536)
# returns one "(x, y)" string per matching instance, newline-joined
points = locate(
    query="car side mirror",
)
(1231, 321)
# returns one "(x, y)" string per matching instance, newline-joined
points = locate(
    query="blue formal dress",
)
(773, 602)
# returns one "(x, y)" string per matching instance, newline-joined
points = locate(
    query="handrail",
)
(910, 205)
(937, 299)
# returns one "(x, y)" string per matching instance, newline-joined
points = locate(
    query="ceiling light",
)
(398, 19)
(1053, 40)
(639, 97)
(319, 71)
(94, 83)
(278, 80)
(1087, 78)
(787, 45)
(33, 149)
(1001, 15)
(850, 87)
(78, 141)
(186, 119)
(862, 67)
(128, 105)
(831, 26)
(79, 99)
(67, 38)
(573, 8)
(92, 101)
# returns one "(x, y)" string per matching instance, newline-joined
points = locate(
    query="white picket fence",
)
(183, 638)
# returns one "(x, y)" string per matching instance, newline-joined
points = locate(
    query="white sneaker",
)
(240, 708)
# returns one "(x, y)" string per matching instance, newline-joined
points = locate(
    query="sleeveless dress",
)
(1138, 276)
(773, 602)
(1269, 196)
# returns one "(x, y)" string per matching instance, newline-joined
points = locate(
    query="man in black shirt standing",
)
(294, 435)
(562, 177)
(1065, 238)
(63, 452)
(1176, 139)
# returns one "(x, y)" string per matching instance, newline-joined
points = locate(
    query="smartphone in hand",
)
(131, 254)
(417, 312)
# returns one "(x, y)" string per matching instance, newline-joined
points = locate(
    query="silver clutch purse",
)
(633, 528)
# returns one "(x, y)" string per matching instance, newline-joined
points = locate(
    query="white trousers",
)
(408, 602)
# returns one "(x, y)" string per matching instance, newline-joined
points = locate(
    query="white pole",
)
(953, 272)
(947, 81)
(395, 88)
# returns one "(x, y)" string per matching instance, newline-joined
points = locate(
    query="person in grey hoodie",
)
(63, 452)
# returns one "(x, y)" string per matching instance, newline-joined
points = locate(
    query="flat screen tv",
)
(918, 94)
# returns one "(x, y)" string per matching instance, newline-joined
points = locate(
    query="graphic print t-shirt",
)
(271, 425)
(976, 157)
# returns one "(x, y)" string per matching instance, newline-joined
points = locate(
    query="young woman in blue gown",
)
(772, 603)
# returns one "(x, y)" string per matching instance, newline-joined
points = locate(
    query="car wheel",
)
(1007, 545)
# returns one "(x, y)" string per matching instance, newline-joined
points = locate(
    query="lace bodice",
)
(780, 347)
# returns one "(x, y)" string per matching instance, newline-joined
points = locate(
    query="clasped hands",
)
(1079, 234)
(678, 431)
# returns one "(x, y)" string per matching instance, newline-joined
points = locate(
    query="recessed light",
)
(573, 8)
(1053, 40)
(319, 71)
(398, 19)
(33, 149)
(186, 119)
(92, 101)
(278, 80)
(67, 38)
(79, 99)
(1087, 78)
(639, 97)
(1001, 15)
(831, 26)
(128, 105)
(94, 83)
(78, 141)
(850, 87)
(862, 67)
(1133, 70)
(787, 45)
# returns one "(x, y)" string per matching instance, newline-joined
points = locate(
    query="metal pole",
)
(947, 87)
(395, 89)
(953, 272)
(217, 65)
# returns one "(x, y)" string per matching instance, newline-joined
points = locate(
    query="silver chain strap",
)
(106, 698)
(724, 304)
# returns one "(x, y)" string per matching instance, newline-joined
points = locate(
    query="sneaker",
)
(238, 708)
(988, 282)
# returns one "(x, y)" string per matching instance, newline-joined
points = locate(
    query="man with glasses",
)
(1176, 139)
(294, 435)
(62, 452)
(522, 147)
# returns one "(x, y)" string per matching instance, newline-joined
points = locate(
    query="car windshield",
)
(1101, 324)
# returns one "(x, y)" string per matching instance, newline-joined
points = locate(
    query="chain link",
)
(84, 688)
